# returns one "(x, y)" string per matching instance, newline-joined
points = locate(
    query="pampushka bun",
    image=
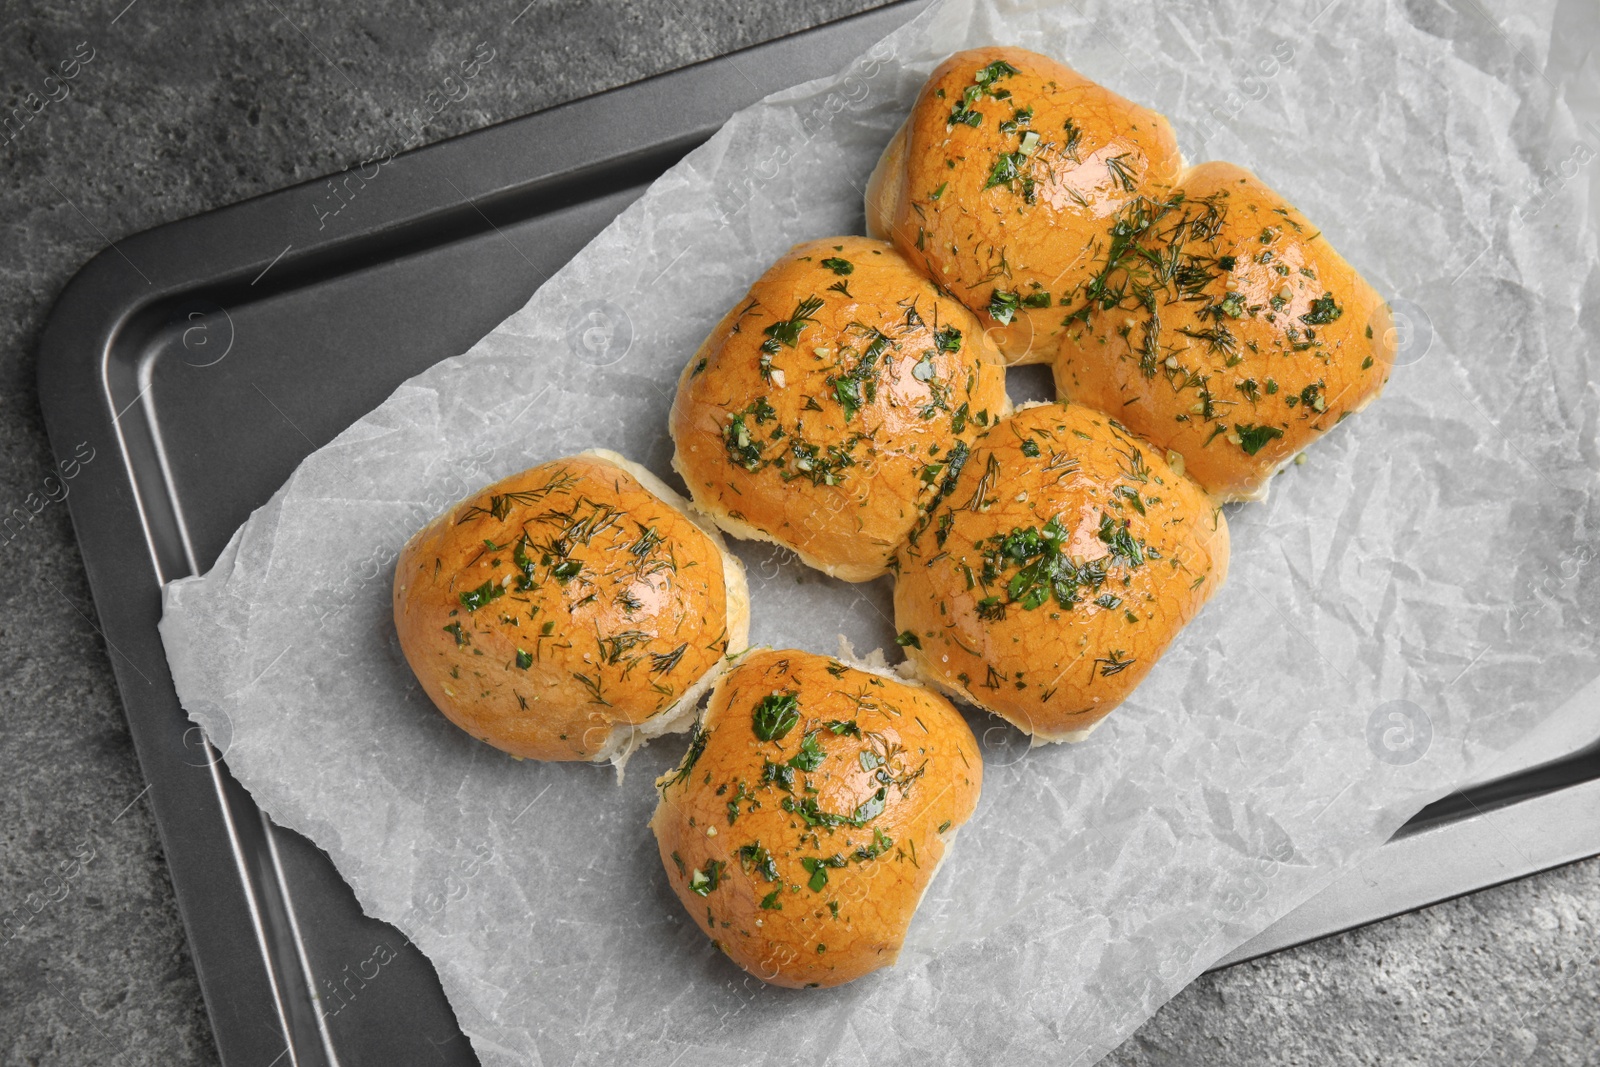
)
(1221, 326)
(1003, 182)
(569, 612)
(810, 813)
(820, 410)
(1055, 569)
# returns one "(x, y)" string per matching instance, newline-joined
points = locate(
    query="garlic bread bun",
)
(810, 813)
(1055, 569)
(1003, 180)
(819, 411)
(1221, 326)
(569, 612)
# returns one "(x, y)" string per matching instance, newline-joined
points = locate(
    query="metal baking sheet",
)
(206, 358)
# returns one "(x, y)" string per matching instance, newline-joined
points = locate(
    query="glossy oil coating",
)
(1003, 181)
(810, 813)
(1222, 326)
(1055, 570)
(820, 410)
(553, 612)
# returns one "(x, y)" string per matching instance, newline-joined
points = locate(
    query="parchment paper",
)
(1406, 605)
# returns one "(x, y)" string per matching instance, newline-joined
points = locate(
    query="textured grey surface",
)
(187, 107)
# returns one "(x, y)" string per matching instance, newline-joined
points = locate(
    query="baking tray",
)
(203, 360)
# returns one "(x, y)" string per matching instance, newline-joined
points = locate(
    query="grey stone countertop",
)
(182, 107)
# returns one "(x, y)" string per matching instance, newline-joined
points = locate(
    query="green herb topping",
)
(1323, 311)
(486, 593)
(1254, 438)
(703, 882)
(787, 331)
(775, 716)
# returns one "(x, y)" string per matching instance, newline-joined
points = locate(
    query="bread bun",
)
(811, 811)
(1250, 340)
(1003, 181)
(569, 612)
(821, 408)
(1055, 569)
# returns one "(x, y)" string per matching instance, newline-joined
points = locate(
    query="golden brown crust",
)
(1262, 339)
(1055, 570)
(804, 856)
(886, 187)
(995, 199)
(562, 612)
(817, 413)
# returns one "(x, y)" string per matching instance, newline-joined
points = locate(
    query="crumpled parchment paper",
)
(1409, 602)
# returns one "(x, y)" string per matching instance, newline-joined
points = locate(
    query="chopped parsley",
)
(778, 774)
(1007, 168)
(488, 592)
(775, 716)
(963, 114)
(881, 843)
(1254, 438)
(838, 266)
(823, 468)
(954, 461)
(1122, 543)
(703, 882)
(865, 812)
(753, 857)
(1311, 396)
(870, 808)
(810, 756)
(1043, 570)
(860, 385)
(982, 82)
(986, 77)
(743, 449)
(1003, 306)
(1323, 311)
(818, 869)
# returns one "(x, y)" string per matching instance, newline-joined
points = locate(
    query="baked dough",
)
(1224, 328)
(1004, 180)
(822, 408)
(814, 805)
(569, 612)
(1055, 569)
